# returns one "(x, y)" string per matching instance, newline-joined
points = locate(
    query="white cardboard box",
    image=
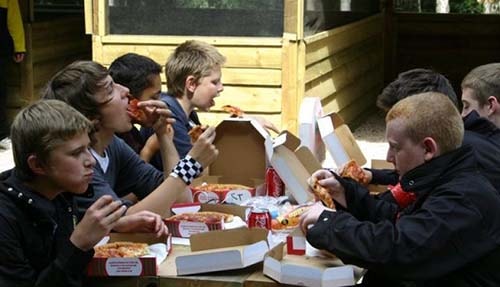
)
(307, 271)
(339, 140)
(223, 250)
(310, 111)
(293, 163)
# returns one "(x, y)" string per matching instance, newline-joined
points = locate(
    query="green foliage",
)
(230, 4)
(466, 7)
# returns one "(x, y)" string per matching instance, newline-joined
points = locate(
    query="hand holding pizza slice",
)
(196, 132)
(354, 171)
(321, 192)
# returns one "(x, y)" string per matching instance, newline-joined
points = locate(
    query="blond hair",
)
(430, 115)
(191, 58)
(484, 81)
(42, 126)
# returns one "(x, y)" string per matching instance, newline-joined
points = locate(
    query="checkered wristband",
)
(187, 169)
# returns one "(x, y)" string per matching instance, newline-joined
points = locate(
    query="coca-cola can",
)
(259, 217)
(274, 185)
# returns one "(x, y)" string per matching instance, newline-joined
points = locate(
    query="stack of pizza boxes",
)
(146, 265)
(241, 161)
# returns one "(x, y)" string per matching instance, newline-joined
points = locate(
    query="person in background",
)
(12, 46)
(449, 236)
(481, 92)
(141, 75)
(193, 72)
(480, 133)
(41, 241)
(88, 87)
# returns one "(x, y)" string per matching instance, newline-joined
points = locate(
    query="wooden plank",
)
(356, 92)
(251, 77)
(64, 48)
(354, 111)
(341, 38)
(97, 49)
(88, 9)
(367, 48)
(291, 16)
(176, 40)
(344, 75)
(103, 19)
(289, 85)
(251, 99)
(236, 56)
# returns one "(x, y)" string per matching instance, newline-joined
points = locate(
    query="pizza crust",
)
(203, 216)
(321, 193)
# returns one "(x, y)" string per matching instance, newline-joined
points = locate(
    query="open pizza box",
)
(310, 111)
(241, 160)
(140, 266)
(339, 140)
(293, 163)
(187, 228)
(223, 250)
(313, 271)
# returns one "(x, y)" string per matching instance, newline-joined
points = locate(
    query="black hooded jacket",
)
(450, 236)
(35, 249)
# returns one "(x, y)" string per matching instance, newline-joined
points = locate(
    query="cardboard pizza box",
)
(223, 250)
(339, 140)
(201, 193)
(141, 266)
(185, 228)
(241, 159)
(310, 111)
(308, 270)
(293, 163)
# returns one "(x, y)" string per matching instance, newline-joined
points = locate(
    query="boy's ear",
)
(36, 165)
(430, 148)
(190, 83)
(493, 104)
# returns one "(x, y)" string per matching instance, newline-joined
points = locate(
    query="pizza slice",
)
(234, 112)
(203, 216)
(321, 193)
(196, 132)
(354, 171)
(137, 114)
(121, 249)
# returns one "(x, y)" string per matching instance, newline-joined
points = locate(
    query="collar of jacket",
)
(439, 169)
(41, 209)
(474, 122)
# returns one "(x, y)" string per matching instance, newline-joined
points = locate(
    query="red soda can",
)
(259, 217)
(274, 185)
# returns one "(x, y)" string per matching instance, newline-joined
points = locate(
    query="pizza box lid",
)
(224, 249)
(339, 140)
(293, 162)
(234, 135)
(308, 270)
(310, 111)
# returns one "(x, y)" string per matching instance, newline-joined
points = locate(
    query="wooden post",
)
(293, 68)
(390, 40)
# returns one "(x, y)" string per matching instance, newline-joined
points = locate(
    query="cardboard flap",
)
(308, 159)
(289, 140)
(339, 140)
(233, 136)
(277, 251)
(227, 238)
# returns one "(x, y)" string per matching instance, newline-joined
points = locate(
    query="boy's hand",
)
(97, 222)
(311, 215)
(326, 179)
(143, 222)
(203, 150)
(158, 116)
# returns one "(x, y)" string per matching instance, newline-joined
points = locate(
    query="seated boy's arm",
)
(15, 268)
(384, 176)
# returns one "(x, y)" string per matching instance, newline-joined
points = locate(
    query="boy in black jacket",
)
(449, 236)
(41, 241)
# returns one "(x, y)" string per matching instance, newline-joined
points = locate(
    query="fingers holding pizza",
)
(352, 170)
(203, 150)
(322, 183)
(150, 113)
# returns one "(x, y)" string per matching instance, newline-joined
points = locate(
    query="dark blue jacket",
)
(450, 236)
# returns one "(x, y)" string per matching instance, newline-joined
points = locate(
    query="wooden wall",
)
(344, 67)
(449, 43)
(50, 46)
